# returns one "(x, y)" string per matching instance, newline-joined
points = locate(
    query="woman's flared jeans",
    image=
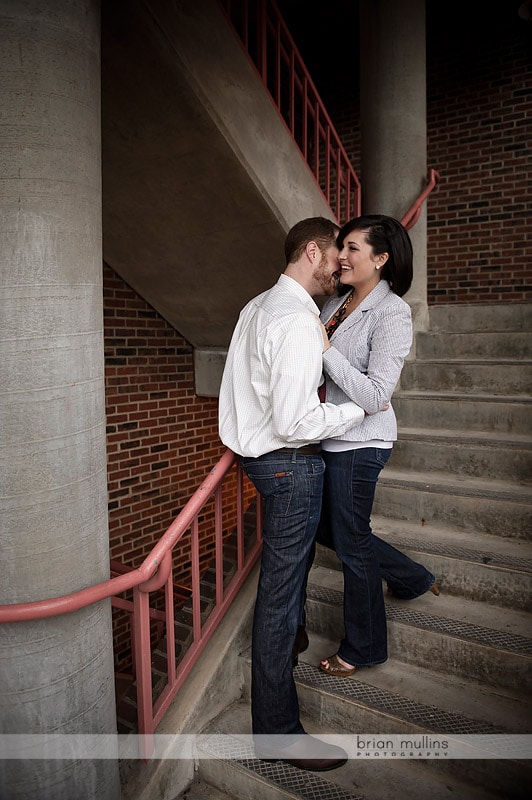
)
(349, 491)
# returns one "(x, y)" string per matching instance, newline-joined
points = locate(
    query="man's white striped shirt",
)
(268, 395)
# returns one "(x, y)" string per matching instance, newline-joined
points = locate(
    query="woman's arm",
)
(390, 344)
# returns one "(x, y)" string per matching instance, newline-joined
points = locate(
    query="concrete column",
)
(393, 123)
(56, 674)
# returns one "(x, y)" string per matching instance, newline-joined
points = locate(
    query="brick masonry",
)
(479, 112)
(162, 440)
(479, 132)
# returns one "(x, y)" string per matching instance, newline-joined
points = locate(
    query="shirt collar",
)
(376, 295)
(290, 285)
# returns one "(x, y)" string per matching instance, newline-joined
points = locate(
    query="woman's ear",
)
(381, 260)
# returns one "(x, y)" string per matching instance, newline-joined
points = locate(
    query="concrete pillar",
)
(56, 674)
(393, 123)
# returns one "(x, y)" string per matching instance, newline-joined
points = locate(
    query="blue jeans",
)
(349, 490)
(292, 487)
(406, 578)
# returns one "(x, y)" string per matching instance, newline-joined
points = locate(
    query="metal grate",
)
(482, 557)
(461, 630)
(304, 784)
(427, 716)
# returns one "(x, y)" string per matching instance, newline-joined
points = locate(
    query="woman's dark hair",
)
(384, 235)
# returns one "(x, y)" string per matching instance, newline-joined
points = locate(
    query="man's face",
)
(327, 272)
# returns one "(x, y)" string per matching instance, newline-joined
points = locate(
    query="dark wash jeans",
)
(292, 487)
(349, 490)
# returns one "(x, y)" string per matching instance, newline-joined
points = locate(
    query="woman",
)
(370, 331)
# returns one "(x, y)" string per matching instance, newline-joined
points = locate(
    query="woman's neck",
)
(359, 294)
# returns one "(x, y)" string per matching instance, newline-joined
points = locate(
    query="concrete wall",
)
(201, 178)
(56, 674)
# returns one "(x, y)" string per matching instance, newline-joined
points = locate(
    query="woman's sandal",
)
(334, 667)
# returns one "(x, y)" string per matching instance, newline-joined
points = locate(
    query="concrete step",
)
(470, 504)
(411, 701)
(406, 698)
(200, 790)
(496, 376)
(227, 759)
(468, 412)
(472, 453)
(456, 636)
(481, 317)
(477, 566)
(500, 344)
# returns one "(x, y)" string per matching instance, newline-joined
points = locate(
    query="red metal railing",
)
(155, 574)
(412, 215)
(271, 49)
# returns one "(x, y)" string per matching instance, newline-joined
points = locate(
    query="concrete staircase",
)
(457, 496)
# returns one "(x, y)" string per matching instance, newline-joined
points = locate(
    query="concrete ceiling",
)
(201, 180)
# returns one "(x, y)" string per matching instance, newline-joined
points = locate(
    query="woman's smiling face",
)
(360, 267)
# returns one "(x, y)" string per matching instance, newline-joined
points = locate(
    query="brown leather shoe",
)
(300, 644)
(315, 764)
(306, 752)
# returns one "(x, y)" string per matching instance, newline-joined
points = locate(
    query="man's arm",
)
(298, 416)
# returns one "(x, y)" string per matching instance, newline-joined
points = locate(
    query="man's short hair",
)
(313, 229)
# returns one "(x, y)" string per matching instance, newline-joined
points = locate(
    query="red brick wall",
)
(479, 111)
(479, 133)
(162, 440)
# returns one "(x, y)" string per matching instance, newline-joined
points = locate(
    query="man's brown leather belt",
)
(306, 450)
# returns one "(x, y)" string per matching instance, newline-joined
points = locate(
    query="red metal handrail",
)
(268, 44)
(413, 213)
(155, 573)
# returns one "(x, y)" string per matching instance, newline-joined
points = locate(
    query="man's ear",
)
(312, 250)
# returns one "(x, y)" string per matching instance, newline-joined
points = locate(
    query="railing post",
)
(239, 477)
(304, 114)
(141, 627)
(262, 41)
(316, 140)
(196, 593)
(219, 553)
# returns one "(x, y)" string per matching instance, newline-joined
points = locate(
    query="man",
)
(271, 415)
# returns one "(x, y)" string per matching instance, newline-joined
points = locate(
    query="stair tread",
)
(491, 329)
(479, 317)
(356, 780)
(443, 482)
(474, 396)
(492, 438)
(418, 695)
(474, 361)
(487, 549)
(199, 790)
(447, 614)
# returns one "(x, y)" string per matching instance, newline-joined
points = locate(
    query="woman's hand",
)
(384, 408)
